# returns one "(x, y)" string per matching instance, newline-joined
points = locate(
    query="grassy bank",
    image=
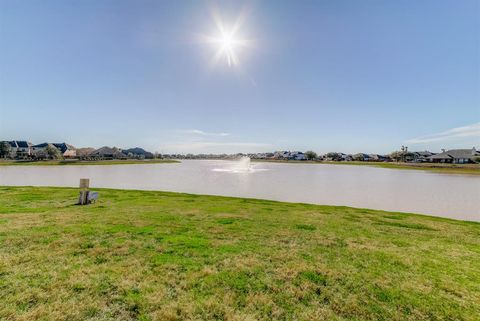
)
(138, 255)
(470, 169)
(79, 162)
(440, 168)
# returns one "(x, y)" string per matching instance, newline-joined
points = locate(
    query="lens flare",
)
(227, 41)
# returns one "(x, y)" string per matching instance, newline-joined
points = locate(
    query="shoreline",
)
(85, 163)
(466, 169)
(473, 169)
(135, 190)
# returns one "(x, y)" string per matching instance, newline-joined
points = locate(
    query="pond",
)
(414, 191)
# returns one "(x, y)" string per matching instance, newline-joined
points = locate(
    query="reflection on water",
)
(454, 196)
(242, 165)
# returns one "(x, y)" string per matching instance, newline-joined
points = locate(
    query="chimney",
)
(443, 150)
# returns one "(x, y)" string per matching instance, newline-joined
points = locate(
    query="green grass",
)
(79, 162)
(467, 169)
(140, 255)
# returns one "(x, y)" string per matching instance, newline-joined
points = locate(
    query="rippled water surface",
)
(424, 192)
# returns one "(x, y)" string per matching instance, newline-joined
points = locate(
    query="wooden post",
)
(84, 185)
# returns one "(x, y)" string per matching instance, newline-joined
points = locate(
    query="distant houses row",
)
(19, 149)
(25, 150)
(455, 156)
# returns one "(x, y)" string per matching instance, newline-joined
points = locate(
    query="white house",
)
(20, 148)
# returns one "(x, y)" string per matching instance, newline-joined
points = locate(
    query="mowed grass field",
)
(140, 255)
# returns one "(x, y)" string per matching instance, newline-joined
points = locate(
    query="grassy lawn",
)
(139, 255)
(78, 162)
(469, 169)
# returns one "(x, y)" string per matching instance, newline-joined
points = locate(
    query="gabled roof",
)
(42, 145)
(361, 154)
(63, 147)
(23, 144)
(457, 153)
(424, 153)
(107, 151)
(85, 151)
(42, 152)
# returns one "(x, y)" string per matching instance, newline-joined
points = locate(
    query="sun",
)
(227, 47)
(227, 41)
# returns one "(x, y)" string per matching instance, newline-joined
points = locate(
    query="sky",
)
(350, 76)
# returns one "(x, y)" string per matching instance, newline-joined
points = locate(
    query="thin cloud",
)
(469, 131)
(203, 133)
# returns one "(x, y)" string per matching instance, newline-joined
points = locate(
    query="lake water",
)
(423, 192)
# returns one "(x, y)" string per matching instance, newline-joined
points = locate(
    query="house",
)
(281, 155)
(378, 158)
(289, 155)
(361, 157)
(20, 148)
(258, 156)
(332, 156)
(346, 157)
(106, 152)
(138, 152)
(67, 150)
(24, 148)
(421, 157)
(84, 153)
(456, 156)
(298, 156)
(41, 146)
(39, 151)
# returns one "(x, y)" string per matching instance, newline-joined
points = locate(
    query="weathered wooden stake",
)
(84, 185)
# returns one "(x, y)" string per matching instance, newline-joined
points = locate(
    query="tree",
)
(358, 157)
(53, 152)
(334, 156)
(5, 149)
(396, 155)
(310, 155)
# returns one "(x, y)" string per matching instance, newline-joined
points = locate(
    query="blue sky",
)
(351, 76)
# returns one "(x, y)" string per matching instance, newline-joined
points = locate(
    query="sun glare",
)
(227, 41)
(227, 48)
